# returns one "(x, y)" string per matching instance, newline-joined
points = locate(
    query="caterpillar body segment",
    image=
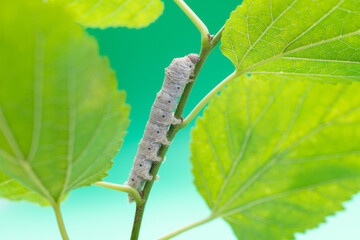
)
(161, 117)
(143, 166)
(165, 101)
(149, 148)
(157, 133)
(135, 181)
(173, 89)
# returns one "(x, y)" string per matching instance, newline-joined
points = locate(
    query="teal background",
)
(139, 58)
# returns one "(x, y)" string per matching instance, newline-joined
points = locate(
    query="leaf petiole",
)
(207, 98)
(123, 188)
(60, 221)
(186, 228)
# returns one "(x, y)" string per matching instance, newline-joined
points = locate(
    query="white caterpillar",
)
(177, 75)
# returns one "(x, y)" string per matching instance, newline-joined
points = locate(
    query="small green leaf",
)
(114, 13)
(62, 120)
(274, 155)
(303, 37)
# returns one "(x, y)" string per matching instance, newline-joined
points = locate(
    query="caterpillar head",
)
(191, 59)
(194, 57)
(181, 68)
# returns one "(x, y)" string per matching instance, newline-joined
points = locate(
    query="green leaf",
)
(114, 13)
(62, 120)
(274, 155)
(303, 37)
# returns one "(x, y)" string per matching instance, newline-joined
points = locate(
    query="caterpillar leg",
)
(176, 121)
(155, 158)
(172, 120)
(165, 141)
(131, 198)
(143, 167)
(147, 176)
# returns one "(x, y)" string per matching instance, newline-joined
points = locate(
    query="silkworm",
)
(177, 76)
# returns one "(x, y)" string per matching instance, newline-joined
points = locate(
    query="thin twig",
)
(188, 227)
(207, 98)
(122, 188)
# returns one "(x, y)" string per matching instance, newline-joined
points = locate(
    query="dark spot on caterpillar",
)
(149, 148)
(163, 116)
(140, 165)
(178, 87)
(169, 101)
(157, 131)
(132, 179)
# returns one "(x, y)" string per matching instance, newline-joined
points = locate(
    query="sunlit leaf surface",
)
(114, 13)
(303, 37)
(273, 155)
(62, 119)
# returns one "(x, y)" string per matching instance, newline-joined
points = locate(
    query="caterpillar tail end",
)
(147, 176)
(131, 198)
(165, 141)
(155, 158)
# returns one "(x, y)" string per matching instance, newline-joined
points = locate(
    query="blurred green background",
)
(139, 58)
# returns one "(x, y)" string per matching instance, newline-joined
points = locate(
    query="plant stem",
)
(207, 98)
(206, 47)
(188, 227)
(122, 188)
(60, 221)
(195, 19)
(205, 51)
